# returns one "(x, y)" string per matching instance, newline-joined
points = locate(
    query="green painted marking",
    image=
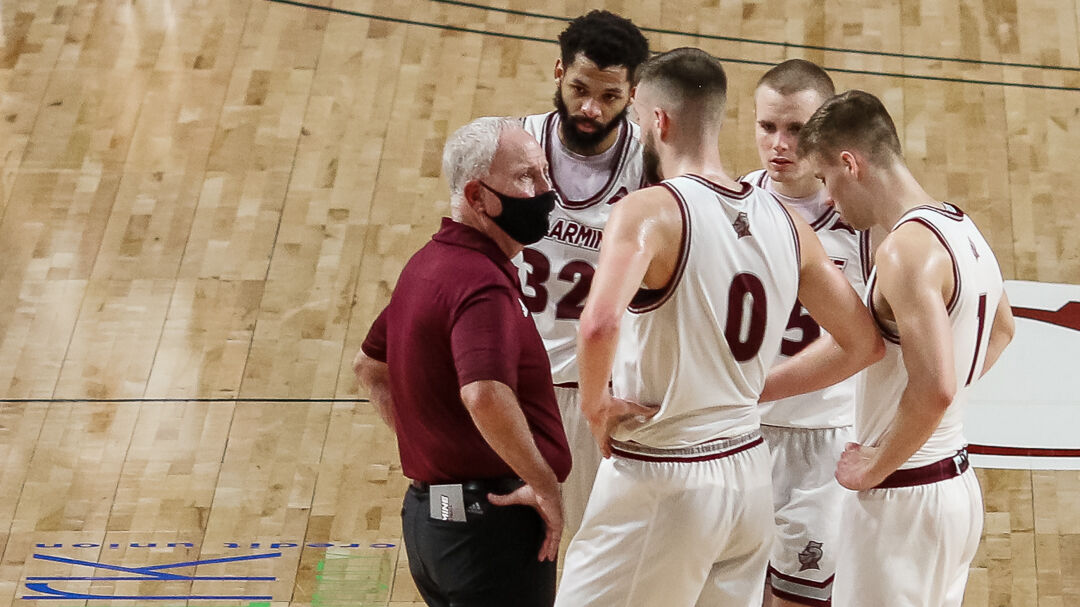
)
(354, 580)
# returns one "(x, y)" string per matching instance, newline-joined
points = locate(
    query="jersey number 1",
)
(978, 337)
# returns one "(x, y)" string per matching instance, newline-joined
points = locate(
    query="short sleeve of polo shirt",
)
(374, 345)
(484, 337)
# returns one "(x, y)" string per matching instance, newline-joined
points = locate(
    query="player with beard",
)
(595, 157)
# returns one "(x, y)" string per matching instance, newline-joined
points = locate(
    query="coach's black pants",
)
(488, 560)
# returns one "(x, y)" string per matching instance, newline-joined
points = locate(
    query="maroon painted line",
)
(1067, 316)
(1022, 451)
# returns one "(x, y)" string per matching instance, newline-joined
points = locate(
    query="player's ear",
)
(559, 71)
(852, 163)
(633, 92)
(662, 122)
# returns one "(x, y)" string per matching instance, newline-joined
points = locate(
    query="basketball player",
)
(595, 157)
(805, 433)
(681, 512)
(935, 292)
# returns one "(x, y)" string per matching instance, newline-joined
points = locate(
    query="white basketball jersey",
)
(701, 347)
(834, 406)
(556, 272)
(971, 314)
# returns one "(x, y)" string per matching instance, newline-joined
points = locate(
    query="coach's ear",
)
(473, 193)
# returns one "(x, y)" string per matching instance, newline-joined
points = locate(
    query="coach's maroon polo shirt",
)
(456, 316)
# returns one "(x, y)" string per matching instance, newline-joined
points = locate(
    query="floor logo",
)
(44, 585)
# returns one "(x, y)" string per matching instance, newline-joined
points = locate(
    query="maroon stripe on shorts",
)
(686, 460)
(799, 580)
(802, 600)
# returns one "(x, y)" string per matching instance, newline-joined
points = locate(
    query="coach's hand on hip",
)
(548, 502)
(607, 412)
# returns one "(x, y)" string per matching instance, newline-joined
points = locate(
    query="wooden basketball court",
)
(203, 204)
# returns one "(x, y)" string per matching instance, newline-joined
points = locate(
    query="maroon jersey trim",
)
(647, 300)
(865, 254)
(760, 179)
(944, 243)
(743, 192)
(951, 211)
(822, 221)
(884, 329)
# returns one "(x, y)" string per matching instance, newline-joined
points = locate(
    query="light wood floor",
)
(207, 199)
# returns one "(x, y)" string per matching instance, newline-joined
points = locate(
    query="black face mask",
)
(524, 219)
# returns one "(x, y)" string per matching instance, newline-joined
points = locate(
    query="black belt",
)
(945, 469)
(498, 486)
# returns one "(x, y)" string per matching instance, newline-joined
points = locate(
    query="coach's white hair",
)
(468, 153)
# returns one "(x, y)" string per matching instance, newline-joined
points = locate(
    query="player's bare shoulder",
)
(911, 251)
(647, 209)
(911, 255)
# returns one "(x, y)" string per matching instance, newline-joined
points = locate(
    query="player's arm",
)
(636, 234)
(852, 342)
(915, 277)
(1001, 333)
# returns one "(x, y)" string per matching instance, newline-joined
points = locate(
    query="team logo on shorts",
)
(810, 556)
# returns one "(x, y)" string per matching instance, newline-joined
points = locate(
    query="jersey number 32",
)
(578, 273)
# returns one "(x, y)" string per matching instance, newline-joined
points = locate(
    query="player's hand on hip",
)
(603, 416)
(855, 468)
(549, 504)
